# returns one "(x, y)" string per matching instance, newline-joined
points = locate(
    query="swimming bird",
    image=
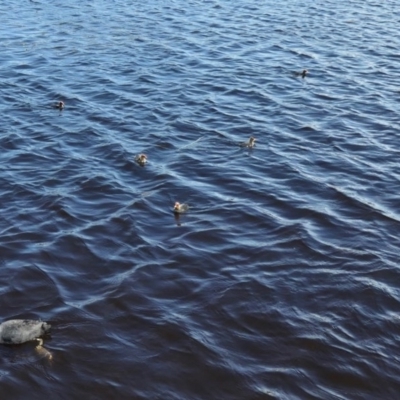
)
(180, 208)
(302, 73)
(60, 105)
(16, 331)
(251, 143)
(141, 159)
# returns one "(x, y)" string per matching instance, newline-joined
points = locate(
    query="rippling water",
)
(281, 281)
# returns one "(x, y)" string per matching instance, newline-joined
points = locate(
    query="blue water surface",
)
(282, 279)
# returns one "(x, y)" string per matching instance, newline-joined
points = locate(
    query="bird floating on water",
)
(141, 159)
(180, 208)
(250, 143)
(302, 73)
(16, 331)
(59, 105)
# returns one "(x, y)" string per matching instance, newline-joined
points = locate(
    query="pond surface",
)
(282, 279)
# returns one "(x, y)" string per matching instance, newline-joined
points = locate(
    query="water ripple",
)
(280, 280)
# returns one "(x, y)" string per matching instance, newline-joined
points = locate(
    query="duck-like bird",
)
(60, 105)
(180, 208)
(251, 142)
(302, 73)
(141, 159)
(16, 331)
